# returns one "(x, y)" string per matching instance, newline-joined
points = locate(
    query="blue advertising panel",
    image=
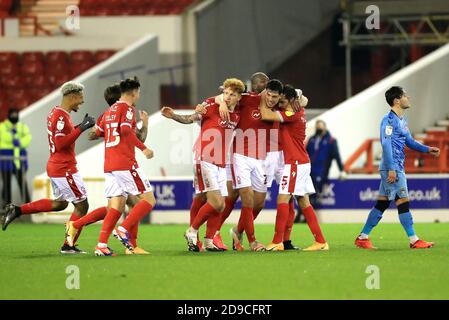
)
(425, 193)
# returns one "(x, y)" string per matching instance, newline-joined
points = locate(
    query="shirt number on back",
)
(113, 137)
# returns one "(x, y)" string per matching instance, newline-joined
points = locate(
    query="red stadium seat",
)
(80, 68)
(32, 56)
(102, 55)
(32, 68)
(20, 103)
(37, 94)
(11, 81)
(81, 55)
(8, 69)
(56, 56)
(57, 68)
(36, 81)
(57, 79)
(9, 57)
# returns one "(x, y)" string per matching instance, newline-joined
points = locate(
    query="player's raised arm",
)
(143, 132)
(184, 119)
(64, 141)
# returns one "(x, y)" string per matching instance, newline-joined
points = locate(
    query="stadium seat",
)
(102, 55)
(36, 81)
(7, 69)
(9, 57)
(79, 68)
(11, 81)
(32, 68)
(37, 93)
(32, 56)
(56, 56)
(81, 55)
(57, 79)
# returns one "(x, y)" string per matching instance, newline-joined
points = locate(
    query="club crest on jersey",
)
(256, 114)
(129, 114)
(60, 124)
(388, 130)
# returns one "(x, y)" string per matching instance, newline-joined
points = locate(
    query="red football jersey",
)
(119, 152)
(216, 134)
(59, 124)
(293, 135)
(252, 138)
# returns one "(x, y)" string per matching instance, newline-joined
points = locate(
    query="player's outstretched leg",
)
(12, 211)
(363, 241)
(407, 223)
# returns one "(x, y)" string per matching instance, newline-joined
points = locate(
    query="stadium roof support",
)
(429, 18)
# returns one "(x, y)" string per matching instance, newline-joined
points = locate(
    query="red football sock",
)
(108, 224)
(290, 221)
(247, 218)
(92, 217)
(213, 223)
(241, 225)
(43, 205)
(140, 210)
(205, 212)
(197, 203)
(281, 221)
(133, 234)
(229, 206)
(312, 221)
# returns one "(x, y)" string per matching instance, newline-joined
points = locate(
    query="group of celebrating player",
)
(125, 183)
(247, 140)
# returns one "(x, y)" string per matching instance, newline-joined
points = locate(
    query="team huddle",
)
(247, 140)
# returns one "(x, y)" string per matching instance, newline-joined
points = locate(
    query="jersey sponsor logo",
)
(60, 124)
(222, 123)
(289, 113)
(129, 114)
(256, 114)
(388, 130)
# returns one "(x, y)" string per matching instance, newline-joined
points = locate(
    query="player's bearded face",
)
(405, 102)
(272, 98)
(77, 100)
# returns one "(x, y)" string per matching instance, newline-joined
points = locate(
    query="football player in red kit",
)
(123, 176)
(210, 174)
(112, 95)
(67, 183)
(296, 180)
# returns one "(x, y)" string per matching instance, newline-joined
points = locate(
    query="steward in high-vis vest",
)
(15, 137)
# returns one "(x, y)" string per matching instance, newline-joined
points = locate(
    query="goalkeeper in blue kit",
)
(394, 134)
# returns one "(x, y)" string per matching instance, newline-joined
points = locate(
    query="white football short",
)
(248, 172)
(274, 167)
(126, 182)
(69, 188)
(209, 177)
(296, 180)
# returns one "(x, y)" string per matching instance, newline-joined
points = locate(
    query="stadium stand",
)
(40, 73)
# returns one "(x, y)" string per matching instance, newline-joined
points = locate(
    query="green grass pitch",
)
(32, 268)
